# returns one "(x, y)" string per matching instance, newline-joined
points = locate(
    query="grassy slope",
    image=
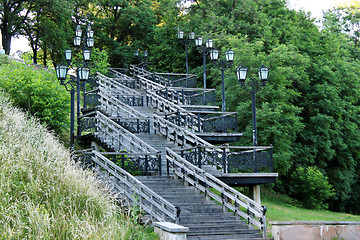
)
(283, 208)
(43, 194)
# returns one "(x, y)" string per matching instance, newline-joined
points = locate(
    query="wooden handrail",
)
(176, 74)
(174, 133)
(149, 201)
(191, 121)
(110, 132)
(203, 181)
(112, 105)
(115, 87)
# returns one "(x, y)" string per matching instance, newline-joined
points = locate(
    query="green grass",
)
(45, 195)
(283, 208)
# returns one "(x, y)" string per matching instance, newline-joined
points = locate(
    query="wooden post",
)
(256, 194)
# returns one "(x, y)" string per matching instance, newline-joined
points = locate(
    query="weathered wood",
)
(112, 86)
(109, 132)
(183, 169)
(148, 200)
(116, 108)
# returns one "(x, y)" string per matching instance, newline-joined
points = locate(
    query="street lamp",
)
(72, 83)
(142, 56)
(253, 87)
(204, 50)
(186, 42)
(222, 65)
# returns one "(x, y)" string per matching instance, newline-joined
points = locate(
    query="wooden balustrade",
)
(115, 108)
(112, 86)
(185, 118)
(149, 201)
(111, 133)
(231, 199)
(176, 133)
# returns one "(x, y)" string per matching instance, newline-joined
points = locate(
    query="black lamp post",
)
(204, 50)
(186, 42)
(142, 57)
(253, 86)
(72, 84)
(222, 65)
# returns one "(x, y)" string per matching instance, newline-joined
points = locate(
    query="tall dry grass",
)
(44, 195)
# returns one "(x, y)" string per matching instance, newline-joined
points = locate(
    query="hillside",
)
(44, 194)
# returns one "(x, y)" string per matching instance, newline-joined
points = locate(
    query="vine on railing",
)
(228, 197)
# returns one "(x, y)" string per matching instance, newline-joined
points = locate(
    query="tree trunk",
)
(45, 57)
(35, 55)
(6, 38)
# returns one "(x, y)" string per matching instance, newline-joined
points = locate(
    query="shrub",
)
(311, 187)
(38, 92)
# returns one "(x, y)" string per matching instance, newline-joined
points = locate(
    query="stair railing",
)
(115, 108)
(175, 79)
(233, 159)
(112, 86)
(229, 198)
(176, 133)
(205, 153)
(123, 78)
(148, 85)
(149, 201)
(117, 137)
(123, 114)
(184, 118)
(135, 70)
(189, 96)
(176, 95)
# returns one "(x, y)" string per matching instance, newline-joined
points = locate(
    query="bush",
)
(38, 92)
(311, 187)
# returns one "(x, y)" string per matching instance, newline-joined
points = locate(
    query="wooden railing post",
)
(199, 156)
(160, 160)
(224, 161)
(146, 165)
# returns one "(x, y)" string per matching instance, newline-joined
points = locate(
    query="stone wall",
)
(304, 230)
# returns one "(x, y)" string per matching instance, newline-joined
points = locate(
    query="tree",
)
(308, 108)
(46, 28)
(122, 26)
(12, 16)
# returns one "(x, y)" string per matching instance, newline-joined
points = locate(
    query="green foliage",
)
(125, 163)
(99, 61)
(4, 60)
(44, 195)
(311, 187)
(119, 24)
(310, 106)
(283, 208)
(38, 92)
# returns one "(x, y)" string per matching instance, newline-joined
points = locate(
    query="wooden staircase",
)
(205, 219)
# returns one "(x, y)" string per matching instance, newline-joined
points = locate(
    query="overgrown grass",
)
(44, 195)
(283, 208)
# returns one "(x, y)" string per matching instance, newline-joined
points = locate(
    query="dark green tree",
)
(122, 26)
(13, 14)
